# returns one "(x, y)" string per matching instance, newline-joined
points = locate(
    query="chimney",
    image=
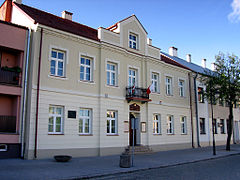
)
(6, 14)
(213, 66)
(188, 57)
(173, 51)
(18, 1)
(67, 15)
(149, 41)
(204, 63)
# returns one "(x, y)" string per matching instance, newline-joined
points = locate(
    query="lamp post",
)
(213, 131)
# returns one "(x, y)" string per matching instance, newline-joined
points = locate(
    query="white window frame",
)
(84, 118)
(169, 86)
(183, 123)
(131, 41)
(170, 124)
(85, 66)
(55, 115)
(111, 72)
(111, 119)
(157, 124)
(57, 60)
(131, 77)
(153, 81)
(181, 87)
(204, 120)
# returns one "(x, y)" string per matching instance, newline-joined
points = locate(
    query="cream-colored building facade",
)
(78, 86)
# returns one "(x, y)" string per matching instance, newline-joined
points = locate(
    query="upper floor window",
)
(181, 85)
(156, 124)
(155, 82)
(111, 74)
(170, 125)
(168, 85)
(132, 77)
(85, 121)
(133, 41)
(58, 59)
(55, 120)
(200, 95)
(86, 69)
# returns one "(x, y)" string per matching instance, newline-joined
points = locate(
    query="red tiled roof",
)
(170, 61)
(56, 22)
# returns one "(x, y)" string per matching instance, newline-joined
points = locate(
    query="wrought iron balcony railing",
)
(138, 94)
(7, 124)
(9, 77)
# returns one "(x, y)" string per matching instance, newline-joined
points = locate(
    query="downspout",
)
(190, 96)
(37, 104)
(25, 95)
(196, 106)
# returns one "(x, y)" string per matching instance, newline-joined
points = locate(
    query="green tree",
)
(224, 83)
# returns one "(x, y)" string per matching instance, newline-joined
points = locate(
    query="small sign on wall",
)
(126, 126)
(72, 114)
(143, 127)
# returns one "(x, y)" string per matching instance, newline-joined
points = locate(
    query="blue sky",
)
(199, 27)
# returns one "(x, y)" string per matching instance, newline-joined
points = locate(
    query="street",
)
(225, 168)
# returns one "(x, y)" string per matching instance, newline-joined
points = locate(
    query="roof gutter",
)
(37, 104)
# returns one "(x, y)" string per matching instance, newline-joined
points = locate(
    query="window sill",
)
(55, 134)
(169, 95)
(112, 86)
(85, 134)
(155, 93)
(184, 134)
(87, 82)
(157, 134)
(202, 133)
(112, 135)
(57, 77)
(170, 134)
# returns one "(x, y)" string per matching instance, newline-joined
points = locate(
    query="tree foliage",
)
(224, 83)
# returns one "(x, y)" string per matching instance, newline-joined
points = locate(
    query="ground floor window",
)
(85, 121)
(55, 120)
(183, 123)
(222, 126)
(111, 122)
(170, 125)
(202, 126)
(215, 126)
(156, 124)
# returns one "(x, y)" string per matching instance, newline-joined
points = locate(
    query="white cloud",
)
(234, 16)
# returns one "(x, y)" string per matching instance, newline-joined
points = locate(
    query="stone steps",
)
(138, 150)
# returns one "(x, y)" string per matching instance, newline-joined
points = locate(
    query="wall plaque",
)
(72, 114)
(134, 107)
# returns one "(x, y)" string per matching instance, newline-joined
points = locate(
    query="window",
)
(170, 127)
(215, 126)
(183, 123)
(156, 124)
(55, 121)
(111, 122)
(155, 82)
(132, 77)
(200, 95)
(133, 41)
(111, 74)
(86, 69)
(85, 121)
(222, 126)
(181, 85)
(221, 102)
(227, 125)
(168, 85)
(202, 126)
(57, 63)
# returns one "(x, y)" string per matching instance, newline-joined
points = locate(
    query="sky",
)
(202, 28)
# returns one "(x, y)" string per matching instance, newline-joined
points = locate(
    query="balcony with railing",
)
(7, 124)
(137, 94)
(9, 77)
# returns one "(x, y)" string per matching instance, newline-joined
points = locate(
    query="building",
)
(13, 42)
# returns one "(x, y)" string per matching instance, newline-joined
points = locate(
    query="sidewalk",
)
(99, 166)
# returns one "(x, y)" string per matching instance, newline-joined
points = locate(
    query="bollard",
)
(125, 161)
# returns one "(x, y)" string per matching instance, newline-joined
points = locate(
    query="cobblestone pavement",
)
(225, 168)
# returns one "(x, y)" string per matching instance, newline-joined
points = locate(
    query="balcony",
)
(7, 124)
(9, 77)
(137, 94)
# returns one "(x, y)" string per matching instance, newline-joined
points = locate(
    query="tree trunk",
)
(229, 127)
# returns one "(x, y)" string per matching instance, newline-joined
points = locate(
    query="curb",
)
(145, 169)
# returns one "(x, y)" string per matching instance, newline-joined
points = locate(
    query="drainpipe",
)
(37, 104)
(190, 99)
(25, 95)
(196, 106)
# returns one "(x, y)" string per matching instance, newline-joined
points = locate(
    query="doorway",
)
(136, 131)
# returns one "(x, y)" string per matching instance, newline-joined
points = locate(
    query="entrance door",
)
(131, 132)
